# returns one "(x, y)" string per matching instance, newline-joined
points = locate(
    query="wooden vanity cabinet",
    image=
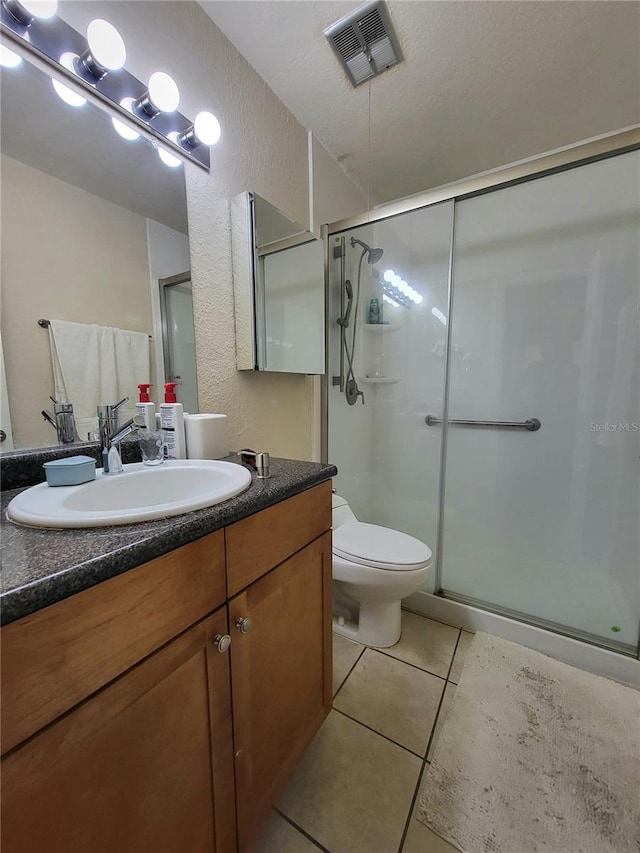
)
(144, 765)
(280, 671)
(128, 726)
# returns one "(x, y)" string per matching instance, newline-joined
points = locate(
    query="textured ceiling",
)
(482, 83)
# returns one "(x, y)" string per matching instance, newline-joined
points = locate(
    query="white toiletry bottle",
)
(145, 407)
(172, 423)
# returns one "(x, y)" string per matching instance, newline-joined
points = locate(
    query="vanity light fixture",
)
(123, 129)
(92, 67)
(105, 52)
(162, 96)
(24, 11)
(204, 131)
(169, 159)
(68, 61)
(9, 59)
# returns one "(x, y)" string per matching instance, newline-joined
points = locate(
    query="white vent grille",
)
(365, 42)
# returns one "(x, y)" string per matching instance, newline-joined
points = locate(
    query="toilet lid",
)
(379, 547)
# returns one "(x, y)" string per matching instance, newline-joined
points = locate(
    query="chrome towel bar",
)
(531, 424)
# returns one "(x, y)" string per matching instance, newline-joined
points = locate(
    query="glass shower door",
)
(546, 523)
(388, 463)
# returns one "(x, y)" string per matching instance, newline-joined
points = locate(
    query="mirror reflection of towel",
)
(97, 365)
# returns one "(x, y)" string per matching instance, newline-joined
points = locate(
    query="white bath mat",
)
(535, 755)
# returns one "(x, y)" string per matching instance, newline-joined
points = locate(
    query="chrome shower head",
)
(374, 254)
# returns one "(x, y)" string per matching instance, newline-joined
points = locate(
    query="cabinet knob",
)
(222, 642)
(244, 625)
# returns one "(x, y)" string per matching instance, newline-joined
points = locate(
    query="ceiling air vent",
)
(365, 42)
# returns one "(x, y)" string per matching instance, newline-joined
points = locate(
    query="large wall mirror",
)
(278, 282)
(94, 233)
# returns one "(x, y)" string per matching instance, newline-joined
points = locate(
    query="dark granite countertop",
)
(40, 567)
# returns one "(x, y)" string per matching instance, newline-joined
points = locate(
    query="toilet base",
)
(379, 625)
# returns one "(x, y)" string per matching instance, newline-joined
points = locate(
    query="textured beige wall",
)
(57, 263)
(335, 196)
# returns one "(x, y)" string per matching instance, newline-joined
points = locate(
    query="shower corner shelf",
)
(382, 327)
(381, 380)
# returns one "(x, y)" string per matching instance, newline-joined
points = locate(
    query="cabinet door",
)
(146, 764)
(281, 676)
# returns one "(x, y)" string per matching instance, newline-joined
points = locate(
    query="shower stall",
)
(498, 375)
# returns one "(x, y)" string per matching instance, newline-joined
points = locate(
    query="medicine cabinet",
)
(278, 281)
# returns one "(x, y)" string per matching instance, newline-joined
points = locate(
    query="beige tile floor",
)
(356, 786)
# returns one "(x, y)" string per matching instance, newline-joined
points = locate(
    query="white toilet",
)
(374, 568)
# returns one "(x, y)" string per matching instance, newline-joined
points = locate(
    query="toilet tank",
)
(341, 511)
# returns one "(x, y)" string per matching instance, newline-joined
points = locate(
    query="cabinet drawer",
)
(258, 543)
(56, 657)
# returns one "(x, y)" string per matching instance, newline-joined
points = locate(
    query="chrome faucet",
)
(113, 458)
(111, 434)
(109, 422)
(62, 421)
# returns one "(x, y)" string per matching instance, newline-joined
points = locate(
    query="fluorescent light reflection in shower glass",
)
(437, 313)
(401, 285)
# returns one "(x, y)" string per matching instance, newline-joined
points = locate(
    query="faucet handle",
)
(258, 461)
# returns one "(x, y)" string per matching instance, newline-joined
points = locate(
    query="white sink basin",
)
(142, 493)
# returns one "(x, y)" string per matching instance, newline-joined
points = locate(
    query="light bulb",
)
(395, 281)
(24, 11)
(163, 92)
(123, 129)
(69, 96)
(106, 45)
(418, 298)
(206, 128)
(388, 275)
(9, 59)
(169, 159)
(43, 9)
(403, 287)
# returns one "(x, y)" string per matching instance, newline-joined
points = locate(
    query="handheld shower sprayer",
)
(344, 321)
(351, 390)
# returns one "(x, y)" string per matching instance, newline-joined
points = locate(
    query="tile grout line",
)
(414, 665)
(454, 654)
(344, 680)
(301, 830)
(433, 619)
(425, 762)
(375, 732)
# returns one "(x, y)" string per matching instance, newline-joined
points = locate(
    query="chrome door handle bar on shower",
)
(531, 424)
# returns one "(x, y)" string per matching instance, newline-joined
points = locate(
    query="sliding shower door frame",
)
(560, 160)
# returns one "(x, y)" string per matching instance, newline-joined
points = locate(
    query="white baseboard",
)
(583, 655)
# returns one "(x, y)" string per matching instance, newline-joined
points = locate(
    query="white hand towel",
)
(97, 365)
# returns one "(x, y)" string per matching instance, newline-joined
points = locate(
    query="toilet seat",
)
(380, 547)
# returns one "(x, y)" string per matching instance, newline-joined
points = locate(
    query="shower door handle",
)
(531, 424)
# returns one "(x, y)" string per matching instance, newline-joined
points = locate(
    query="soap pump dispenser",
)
(145, 407)
(172, 423)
